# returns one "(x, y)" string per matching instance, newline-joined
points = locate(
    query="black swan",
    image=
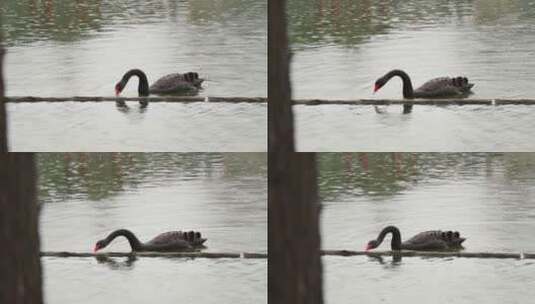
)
(442, 87)
(428, 240)
(167, 241)
(187, 83)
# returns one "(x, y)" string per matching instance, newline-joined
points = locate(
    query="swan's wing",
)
(427, 240)
(435, 240)
(188, 238)
(176, 83)
(434, 244)
(437, 87)
(444, 87)
(168, 237)
(167, 82)
(425, 236)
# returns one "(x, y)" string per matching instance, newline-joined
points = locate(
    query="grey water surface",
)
(86, 196)
(65, 48)
(341, 47)
(488, 198)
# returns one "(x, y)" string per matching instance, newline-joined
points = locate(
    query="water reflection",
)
(115, 264)
(390, 262)
(28, 21)
(124, 108)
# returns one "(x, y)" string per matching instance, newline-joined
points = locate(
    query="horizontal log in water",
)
(249, 255)
(187, 99)
(183, 99)
(195, 254)
(434, 102)
(435, 254)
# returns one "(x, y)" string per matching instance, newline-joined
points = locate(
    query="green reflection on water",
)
(69, 21)
(97, 176)
(384, 175)
(350, 23)
(28, 21)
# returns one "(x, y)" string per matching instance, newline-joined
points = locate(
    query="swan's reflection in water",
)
(115, 264)
(122, 107)
(127, 263)
(396, 260)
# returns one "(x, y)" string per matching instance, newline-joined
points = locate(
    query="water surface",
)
(86, 196)
(487, 197)
(341, 47)
(340, 128)
(94, 127)
(417, 280)
(66, 48)
(164, 280)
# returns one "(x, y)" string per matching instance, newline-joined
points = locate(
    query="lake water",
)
(416, 280)
(87, 196)
(341, 47)
(487, 197)
(65, 48)
(94, 127)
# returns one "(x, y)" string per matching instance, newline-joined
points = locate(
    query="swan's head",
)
(119, 88)
(372, 245)
(100, 244)
(379, 83)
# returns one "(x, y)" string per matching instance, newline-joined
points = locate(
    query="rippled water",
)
(87, 196)
(487, 197)
(341, 47)
(417, 280)
(155, 279)
(94, 127)
(65, 48)
(340, 128)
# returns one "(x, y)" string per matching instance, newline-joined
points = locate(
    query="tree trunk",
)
(3, 116)
(20, 266)
(280, 118)
(294, 268)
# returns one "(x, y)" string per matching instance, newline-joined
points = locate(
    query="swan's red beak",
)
(376, 88)
(368, 247)
(96, 249)
(117, 92)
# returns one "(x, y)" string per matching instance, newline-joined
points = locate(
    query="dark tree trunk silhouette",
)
(20, 267)
(3, 115)
(280, 117)
(294, 268)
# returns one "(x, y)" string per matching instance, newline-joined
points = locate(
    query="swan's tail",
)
(462, 83)
(194, 238)
(452, 238)
(193, 78)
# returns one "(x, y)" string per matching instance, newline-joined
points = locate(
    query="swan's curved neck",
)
(408, 92)
(396, 237)
(132, 239)
(143, 86)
